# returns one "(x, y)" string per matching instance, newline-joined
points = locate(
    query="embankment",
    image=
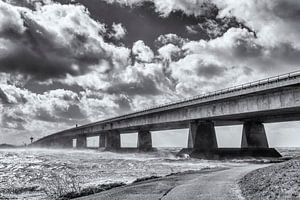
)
(278, 181)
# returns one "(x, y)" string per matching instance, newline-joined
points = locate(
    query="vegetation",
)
(67, 186)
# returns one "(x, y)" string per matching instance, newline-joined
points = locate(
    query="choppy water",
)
(25, 173)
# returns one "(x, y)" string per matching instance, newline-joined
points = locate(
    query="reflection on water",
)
(23, 172)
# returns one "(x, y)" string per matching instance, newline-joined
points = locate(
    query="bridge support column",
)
(66, 142)
(81, 142)
(102, 140)
(202, 135)
(254, 135)
(144, 142)
(63, 142)
(113, 140)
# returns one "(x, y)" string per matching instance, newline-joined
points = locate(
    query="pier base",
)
(144, 142)
(229, 153)
(254, 135)
(102, 141)
(112, 140)
(81, 142)
(202, 135)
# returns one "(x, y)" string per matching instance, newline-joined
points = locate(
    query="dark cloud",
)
(210, 71)
(36, 52)
(143, 22)
(3, 97)
(13, 121)
(124, 104)
(288, 10)
(44, 115)
(72, 112)
(247, 49)
(215, 27)
(144, 86)
(39, 88)
(69, 116)
(40, 52)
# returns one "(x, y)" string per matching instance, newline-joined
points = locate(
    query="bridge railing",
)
(244, 86)
(261, 82)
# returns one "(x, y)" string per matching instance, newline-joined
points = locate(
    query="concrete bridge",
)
(274, 99)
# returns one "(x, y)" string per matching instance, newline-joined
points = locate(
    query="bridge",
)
(274, 99)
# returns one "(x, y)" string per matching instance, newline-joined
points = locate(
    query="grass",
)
(67, 186)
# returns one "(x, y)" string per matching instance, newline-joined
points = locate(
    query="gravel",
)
(278, 181)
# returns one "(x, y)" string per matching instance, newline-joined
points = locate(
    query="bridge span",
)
(274, 99)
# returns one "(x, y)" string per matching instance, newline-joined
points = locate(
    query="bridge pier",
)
(202, 135)
(81, 142)
(113, 140)
(144, 142)
(102, 140)
(63, 142)
(254, 135)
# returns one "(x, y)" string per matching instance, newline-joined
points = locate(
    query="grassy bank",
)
(279, 181)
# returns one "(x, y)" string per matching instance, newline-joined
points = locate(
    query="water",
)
(25, 173)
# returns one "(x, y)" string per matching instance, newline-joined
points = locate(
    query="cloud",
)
(274, 22)
(170, 39)
(119, 31)
(53, 41)
(3, 97)
(169, 52)
(141, 52)
(189, 7)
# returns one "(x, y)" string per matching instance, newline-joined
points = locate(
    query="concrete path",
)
(221, 185)
(207, 185)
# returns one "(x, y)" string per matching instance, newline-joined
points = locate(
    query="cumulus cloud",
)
(170, 52)
(119, 31)
(53, 41)
(189, 7)
(142, 52)
(274, 22)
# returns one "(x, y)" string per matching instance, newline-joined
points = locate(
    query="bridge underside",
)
(202, 140)
(252, 107)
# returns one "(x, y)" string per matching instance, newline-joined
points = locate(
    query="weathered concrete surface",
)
(202, 135)
(113, 140)
(81, 142)
(220, 185)
(57, 142)
(254, 135)
(205, 185)
(144, 140)
(102, 140)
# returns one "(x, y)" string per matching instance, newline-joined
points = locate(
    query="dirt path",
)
(210, 184)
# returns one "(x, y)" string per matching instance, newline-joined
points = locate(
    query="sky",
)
(67, 62)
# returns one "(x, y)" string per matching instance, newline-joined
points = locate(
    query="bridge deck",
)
(246, 88)
(256, 87)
